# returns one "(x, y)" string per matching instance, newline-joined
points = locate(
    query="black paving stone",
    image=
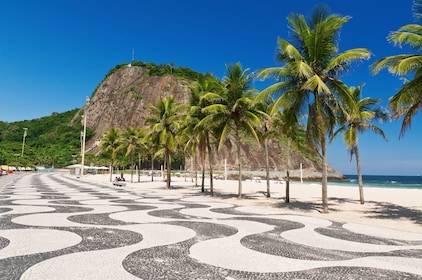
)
(337, 231)
(3, 242)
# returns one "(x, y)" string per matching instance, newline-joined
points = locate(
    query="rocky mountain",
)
(121, 101)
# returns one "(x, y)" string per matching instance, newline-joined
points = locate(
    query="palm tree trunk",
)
(139, 167)
(111, 170)
(360, 181)
(203, 178)
(324, 182)
(210, 159)
(196, 170)
(239, 164)
(288, 187)
(321, 133)
(168, 169)
(288, 173)
(267, 167)
(191, 168)
(202, 154)
(152, 169)
(131, 168)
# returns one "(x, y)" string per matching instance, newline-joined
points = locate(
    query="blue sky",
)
(54, 53)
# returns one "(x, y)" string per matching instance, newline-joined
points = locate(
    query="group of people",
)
(121, 178)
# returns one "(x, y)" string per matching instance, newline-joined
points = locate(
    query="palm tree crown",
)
(165, 123)
(407, 102)
(356, 117)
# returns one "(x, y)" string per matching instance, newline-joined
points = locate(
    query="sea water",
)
(383, 181)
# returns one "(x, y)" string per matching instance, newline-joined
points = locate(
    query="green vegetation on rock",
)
(50, 141)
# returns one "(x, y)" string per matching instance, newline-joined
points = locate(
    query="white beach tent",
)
(75, 166)
(86, 167)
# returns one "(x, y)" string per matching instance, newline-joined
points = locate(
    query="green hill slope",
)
(50, 141)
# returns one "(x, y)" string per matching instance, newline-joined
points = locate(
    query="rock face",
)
(121, 101)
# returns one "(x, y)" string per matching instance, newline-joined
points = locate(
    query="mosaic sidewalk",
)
(53, 226)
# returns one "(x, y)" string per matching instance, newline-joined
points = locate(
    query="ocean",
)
(384, 181)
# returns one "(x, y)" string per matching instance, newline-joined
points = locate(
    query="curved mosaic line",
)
(308, 236)
(56, 226)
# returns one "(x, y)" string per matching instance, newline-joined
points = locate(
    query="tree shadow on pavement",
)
(315, 205)
(371, 209)
(300, 206)
(385, 210)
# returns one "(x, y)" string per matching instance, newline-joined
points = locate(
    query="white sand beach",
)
(386, 207)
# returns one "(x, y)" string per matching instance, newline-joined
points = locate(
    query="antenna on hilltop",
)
(133, 58)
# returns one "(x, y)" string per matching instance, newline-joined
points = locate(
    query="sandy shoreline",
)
(386, 207)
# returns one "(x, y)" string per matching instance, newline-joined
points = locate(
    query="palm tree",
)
(233, 111)
(355, 118)
(197, 137)
(191, 145)
(132, 142)
(165, 123)
(110, 143)
(140, 148)
(407, 102)
(151, 141)
(308, 81)
(200, 136)
(286, 132)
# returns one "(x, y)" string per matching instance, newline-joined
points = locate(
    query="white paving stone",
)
(31, 241)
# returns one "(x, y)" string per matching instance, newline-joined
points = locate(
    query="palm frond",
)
(350, 137)
(287, 51)
(410, 34)
(315, 83)
(417, 9)
(410, 93)
(398, 64)
(276, 73)
(342, 61)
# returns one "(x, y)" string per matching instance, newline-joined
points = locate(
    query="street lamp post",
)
(84, 139)
(74, 159)
(23, 141)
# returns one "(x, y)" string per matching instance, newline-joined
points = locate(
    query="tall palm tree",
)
(308, 82)
(233, 111)
(407, 102)
(197, 137)
(110, 143)
(355, 118)
(200, 135)
(141, 148)
(165, 123)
